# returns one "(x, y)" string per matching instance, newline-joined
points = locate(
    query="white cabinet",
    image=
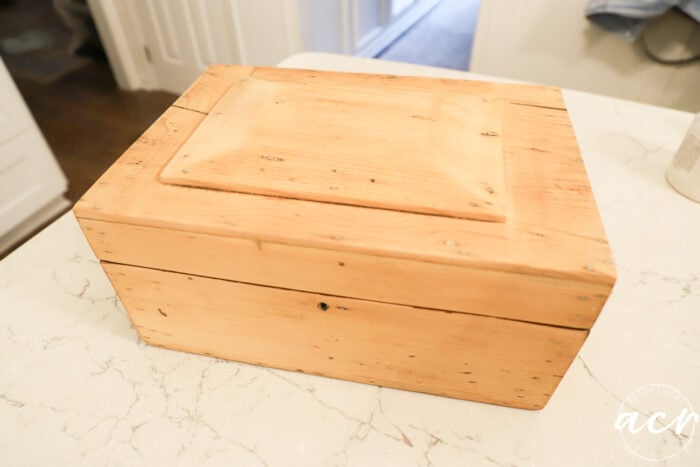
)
(13, 116)
(31, 182)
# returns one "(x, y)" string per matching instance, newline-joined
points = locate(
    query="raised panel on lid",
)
(349, 139)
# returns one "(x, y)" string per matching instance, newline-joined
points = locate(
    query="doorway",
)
(442, 38)
(55, 57)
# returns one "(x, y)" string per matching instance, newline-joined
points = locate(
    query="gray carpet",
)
(441, 38)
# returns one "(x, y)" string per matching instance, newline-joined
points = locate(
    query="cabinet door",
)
(29, 178)
(14, 116)
(29, 175)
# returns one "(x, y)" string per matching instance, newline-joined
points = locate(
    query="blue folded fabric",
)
(627, 18)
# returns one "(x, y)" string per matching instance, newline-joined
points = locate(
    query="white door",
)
(166, 44)
(177, 39)
(181, 38)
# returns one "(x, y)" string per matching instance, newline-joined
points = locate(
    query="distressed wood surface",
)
(457, 355)
(487, 311)
(424, 147)
(552, 225)
(392, 280)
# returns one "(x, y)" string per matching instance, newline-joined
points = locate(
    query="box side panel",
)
(451, 354)
(394, 280)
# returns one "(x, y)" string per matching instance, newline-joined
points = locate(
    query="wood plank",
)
(393, 280)
(343, 138)
(210, 86)
(451, 354)
(206, 91)
(561, 245)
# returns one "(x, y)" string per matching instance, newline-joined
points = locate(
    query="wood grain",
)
(451, 354)
(393, 280)
(422, 146)
(488, 311)
(210, 86)
(552, 229)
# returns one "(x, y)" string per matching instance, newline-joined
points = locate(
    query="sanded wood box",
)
(425, 234)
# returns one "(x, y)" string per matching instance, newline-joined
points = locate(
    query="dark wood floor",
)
(88, 121)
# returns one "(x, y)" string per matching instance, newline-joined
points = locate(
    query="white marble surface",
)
(77, 386)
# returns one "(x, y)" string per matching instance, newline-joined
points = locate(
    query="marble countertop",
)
(77, 386)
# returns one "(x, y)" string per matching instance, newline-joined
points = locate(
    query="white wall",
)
(551, 42)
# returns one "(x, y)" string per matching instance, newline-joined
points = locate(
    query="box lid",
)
(342, 138)
(516, 195)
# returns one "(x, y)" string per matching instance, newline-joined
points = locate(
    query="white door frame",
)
(388, 33)
(123, 44)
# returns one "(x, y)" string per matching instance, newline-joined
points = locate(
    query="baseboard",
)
(382, 40)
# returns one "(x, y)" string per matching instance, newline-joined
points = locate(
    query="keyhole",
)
(323, 306)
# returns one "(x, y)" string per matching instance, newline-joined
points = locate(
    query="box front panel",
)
(458, 355)
(522, 297)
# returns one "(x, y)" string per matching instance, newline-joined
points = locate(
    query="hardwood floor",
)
(88, 121)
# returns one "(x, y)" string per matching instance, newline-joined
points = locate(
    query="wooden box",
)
(425, 234)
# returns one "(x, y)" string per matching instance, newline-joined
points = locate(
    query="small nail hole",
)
(323, 306)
